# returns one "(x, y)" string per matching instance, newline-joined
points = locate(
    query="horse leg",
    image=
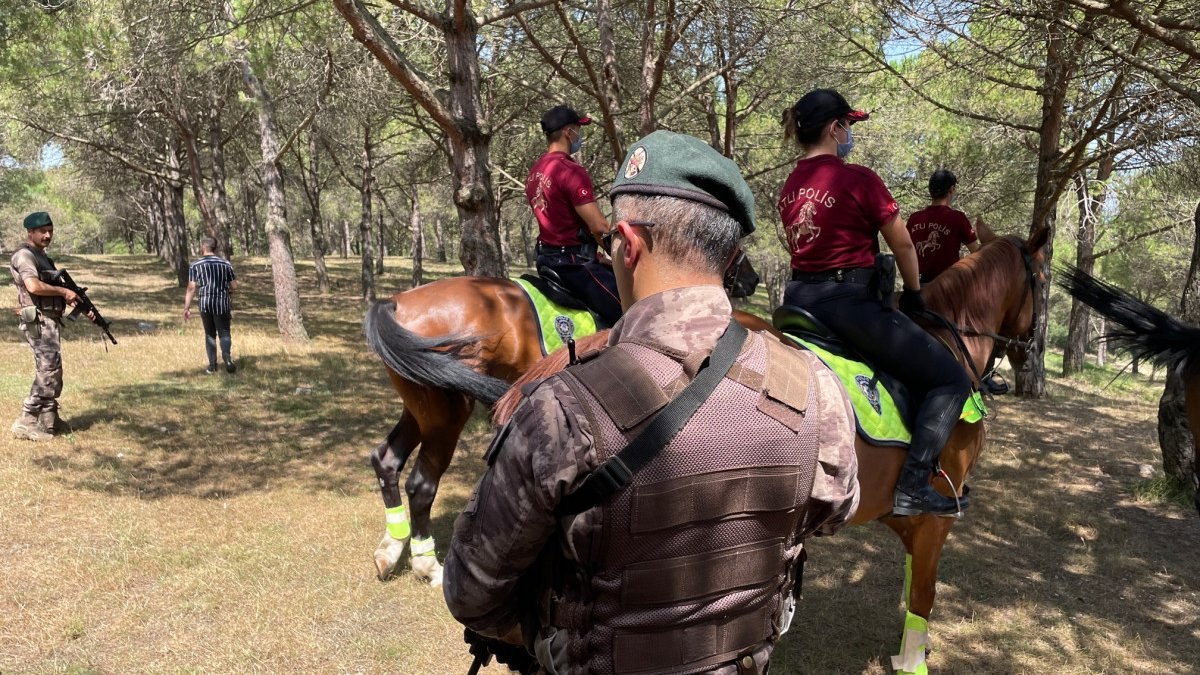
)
(923, 537)
(388, 459)
(440, 430)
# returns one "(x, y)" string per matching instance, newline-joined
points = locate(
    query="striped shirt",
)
(212, 275)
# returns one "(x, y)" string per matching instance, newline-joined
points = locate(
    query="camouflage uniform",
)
(495, 578)
(42, 333)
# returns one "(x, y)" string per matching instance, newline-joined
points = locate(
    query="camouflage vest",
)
(46, 303)
(693, 559)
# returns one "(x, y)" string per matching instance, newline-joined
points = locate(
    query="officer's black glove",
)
(516, 657)
(911, 302)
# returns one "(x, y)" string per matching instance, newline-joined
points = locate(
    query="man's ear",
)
(633, 246)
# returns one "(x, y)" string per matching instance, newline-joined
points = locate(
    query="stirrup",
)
(918, 506)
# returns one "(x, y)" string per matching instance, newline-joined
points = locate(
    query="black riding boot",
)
(914, 495)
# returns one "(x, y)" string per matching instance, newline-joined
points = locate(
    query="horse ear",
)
(1038, 239)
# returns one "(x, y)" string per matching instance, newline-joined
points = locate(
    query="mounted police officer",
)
(563, 199)
(41, 310)
(621, 527)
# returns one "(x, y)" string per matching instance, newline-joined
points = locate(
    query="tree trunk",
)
(1031, 379)
(346, 237)
(176, 223)
(283, 267)
(364, 224)
(1174, 434)
(1077, 325)
(220, 198)
(441, 243)
(418, 241)
(315, 224)
(381, 244)
(249, 218)
(1102, 346)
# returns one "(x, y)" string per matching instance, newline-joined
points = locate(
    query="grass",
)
(224, 524)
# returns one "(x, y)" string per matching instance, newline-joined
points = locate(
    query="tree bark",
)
(315, 224)
(283, 267)
(418, 241)
(220, 198)
(381, 244)
(364, 224)
(1175, 436)
(176, 234)
(441, 243)
(346, 237)
(1031, 378)
(1077, 325)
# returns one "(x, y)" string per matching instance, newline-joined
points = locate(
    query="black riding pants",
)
(587, 280)
(896, 345)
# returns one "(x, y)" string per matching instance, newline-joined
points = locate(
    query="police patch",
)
(869, 390)
(565, 327)
(636, 161)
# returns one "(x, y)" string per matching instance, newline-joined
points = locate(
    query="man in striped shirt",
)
(211, 276)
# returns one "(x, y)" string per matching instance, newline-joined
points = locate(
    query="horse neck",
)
(983, 295)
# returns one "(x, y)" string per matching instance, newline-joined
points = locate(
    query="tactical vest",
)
(692, 560)
(46, 303)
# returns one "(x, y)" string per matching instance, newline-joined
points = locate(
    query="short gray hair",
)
(208, 243)
(687, 232)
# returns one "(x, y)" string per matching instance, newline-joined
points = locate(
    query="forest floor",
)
(225, 523)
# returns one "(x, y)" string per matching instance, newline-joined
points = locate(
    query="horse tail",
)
(1145, 332)
(432, 362)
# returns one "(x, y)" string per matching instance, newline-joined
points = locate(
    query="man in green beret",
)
(673, 552)
(40, 309)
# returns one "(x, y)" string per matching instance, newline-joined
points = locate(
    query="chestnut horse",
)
(987, 296)
(447, 344)
(1147, 334)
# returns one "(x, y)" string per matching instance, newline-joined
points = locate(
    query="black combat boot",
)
(914, 495)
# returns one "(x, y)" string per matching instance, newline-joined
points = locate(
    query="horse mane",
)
(967, 292)
(549, 365)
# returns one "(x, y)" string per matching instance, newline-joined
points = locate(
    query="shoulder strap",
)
(618, 470)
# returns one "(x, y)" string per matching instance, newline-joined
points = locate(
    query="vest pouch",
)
(31, 318)
(883, 282)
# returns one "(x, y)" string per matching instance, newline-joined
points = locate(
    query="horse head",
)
(1024, 321)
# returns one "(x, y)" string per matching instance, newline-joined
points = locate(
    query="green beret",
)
(37, 219)
(675, 165)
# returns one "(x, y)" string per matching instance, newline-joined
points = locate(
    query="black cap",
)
(940, 183)
(561, 116)
(821, 105)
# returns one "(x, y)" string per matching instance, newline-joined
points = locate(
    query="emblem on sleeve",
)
(870, 391)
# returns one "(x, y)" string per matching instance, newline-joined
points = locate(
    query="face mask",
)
(843, 149)
(577, 143)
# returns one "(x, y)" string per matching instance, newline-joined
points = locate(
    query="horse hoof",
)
(427, 568)
(387, 557)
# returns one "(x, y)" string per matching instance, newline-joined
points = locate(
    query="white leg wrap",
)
(424, 561)
(387, 556)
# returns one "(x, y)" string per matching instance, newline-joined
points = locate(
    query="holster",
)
(31, 317)
(883, 282)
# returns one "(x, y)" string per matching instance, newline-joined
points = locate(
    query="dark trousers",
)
(896, 345)
(216, 326)
(589, 281)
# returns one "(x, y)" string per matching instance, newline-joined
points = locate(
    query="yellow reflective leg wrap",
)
(911, 659)
(397, 523)
(907, 598)
(422, 546)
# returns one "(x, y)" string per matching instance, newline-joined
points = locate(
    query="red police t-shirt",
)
(939, 232)
(555, 186)
(832, 212)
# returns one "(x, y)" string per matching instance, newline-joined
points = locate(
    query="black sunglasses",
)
(607, 237)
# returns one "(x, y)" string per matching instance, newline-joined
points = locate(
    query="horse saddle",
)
(559, 316)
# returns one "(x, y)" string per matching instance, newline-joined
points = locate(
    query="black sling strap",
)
(618, 470)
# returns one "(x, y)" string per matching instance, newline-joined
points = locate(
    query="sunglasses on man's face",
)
(606, 239)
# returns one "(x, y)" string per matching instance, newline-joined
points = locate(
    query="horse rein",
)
(1002, 342)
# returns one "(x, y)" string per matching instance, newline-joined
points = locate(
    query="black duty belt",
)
(543, 249)
(854, 275)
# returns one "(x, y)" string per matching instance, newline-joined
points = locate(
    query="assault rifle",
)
(83, 304)
(517, 658)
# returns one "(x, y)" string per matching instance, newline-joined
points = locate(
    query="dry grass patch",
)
(196, 523)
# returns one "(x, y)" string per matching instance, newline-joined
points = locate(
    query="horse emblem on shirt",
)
(802, 231)
(931, 244)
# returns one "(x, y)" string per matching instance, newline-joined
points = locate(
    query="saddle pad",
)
(878, 419)
(875, 412)
(554, 321)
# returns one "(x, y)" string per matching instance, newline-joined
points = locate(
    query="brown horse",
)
(1147, 334)
(446, 345)
(987, 296)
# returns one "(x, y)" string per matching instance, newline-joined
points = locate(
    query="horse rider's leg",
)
(923, 537)
(440, 433)
(388, 459)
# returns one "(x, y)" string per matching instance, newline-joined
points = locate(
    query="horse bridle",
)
(1003, 342)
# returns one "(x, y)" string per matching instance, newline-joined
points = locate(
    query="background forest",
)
(361, 129)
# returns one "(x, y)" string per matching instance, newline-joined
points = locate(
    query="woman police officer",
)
(832, 215)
